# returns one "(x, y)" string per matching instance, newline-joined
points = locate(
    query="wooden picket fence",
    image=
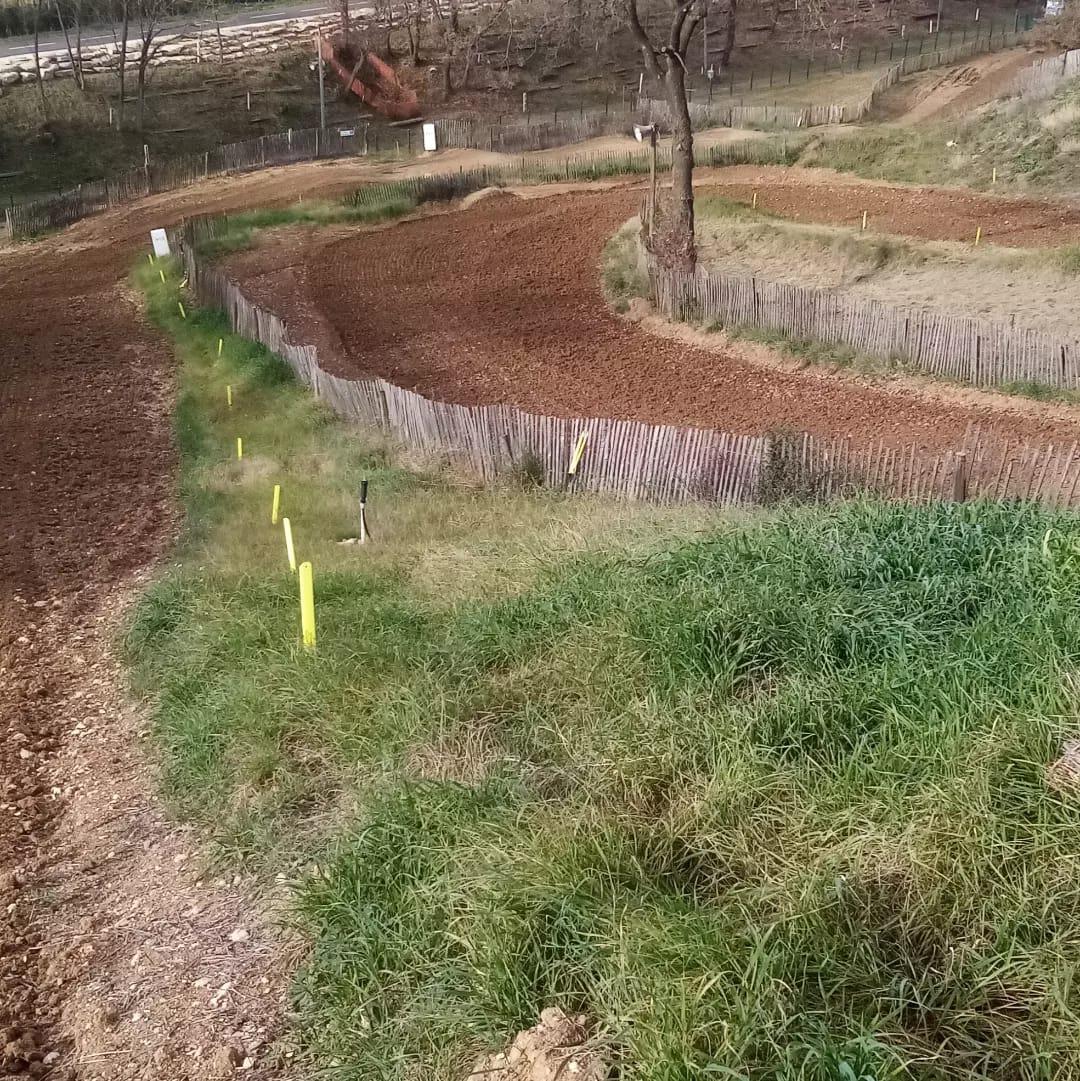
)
(631, 459)
(982, 352)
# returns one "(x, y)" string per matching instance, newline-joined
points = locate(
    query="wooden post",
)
(960, 478)
(652, 181)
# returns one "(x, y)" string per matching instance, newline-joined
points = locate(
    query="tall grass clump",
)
(764, 798)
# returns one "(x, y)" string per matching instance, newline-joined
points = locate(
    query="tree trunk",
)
(140, 89)
(448, 86)
(124, 26)
(76, 68)
(729, 35)
(37, 59)
(414, 39)
(676, 248)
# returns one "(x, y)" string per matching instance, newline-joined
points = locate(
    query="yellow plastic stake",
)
(993, 176)
(183, 314)
(864, 221)
(290, 551)
(307, 606)
(220, 343)
(228, 394)
(579, 450)
(276, 504)
(162, 273)
(754, 203)
(978, 235)
(239, 448)
(150, 256)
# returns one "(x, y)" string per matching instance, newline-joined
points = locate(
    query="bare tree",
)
(37, 58)
(74, 55)
(121, 43)
(665, 61)
(149, 16)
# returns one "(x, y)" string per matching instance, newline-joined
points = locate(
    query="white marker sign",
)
(160, 239)
(429, 137)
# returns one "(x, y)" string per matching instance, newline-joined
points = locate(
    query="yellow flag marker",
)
(864, 220)
(220, 343)
(307, 606)
(290, 551)
(978, 235)
(150, 256)
(162, 273)
(754, 203)
(228, 394)
(579, 450)
(183, 314)
(993, 176)
(239, 448)
(276, 504)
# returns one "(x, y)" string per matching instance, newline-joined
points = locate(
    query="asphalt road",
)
(53, 40)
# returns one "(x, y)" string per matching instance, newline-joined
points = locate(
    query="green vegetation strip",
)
(765, 798)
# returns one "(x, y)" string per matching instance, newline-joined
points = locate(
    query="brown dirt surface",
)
(502, 303)
(942, 93)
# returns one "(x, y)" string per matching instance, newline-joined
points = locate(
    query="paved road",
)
(53, 40)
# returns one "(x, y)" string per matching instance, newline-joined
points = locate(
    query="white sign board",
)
(159, 238)
(346, 133)
(429, 137)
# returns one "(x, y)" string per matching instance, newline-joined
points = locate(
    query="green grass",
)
(1013, 144)
(763, 797)
(240, 229)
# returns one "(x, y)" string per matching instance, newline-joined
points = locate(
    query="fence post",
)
(960, 478)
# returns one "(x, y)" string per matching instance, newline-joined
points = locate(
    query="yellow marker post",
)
(307, 606)
(162, 274)
(150, 256)
(579, 450)
(220, 343)
(228, 394)
(978, 235)
(993, 176)
(239, 448)
(290, 551)
(754, 203)
(183, 314)
(864, 221)
(276, 506)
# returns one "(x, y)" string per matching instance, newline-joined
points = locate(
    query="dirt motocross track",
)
(107, 934)
(502, 302)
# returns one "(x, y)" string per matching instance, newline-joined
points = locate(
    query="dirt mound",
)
(484, 195)
(554, 1049)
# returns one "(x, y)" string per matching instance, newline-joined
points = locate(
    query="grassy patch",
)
(623, 267)
(764, 798)
(1011, 143)
(240, 228)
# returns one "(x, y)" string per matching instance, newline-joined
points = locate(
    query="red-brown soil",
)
(502, 303)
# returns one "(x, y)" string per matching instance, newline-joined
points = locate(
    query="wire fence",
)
(510, 135)
(635, 460)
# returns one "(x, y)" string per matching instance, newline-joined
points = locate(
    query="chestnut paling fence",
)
(531, 132)
(637, 460)
(982, 352)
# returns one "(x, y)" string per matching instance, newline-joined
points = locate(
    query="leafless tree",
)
(74, 55)
(460, 41)
(666, 61)
(120, 40)
(37, 58)
(149, 16)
